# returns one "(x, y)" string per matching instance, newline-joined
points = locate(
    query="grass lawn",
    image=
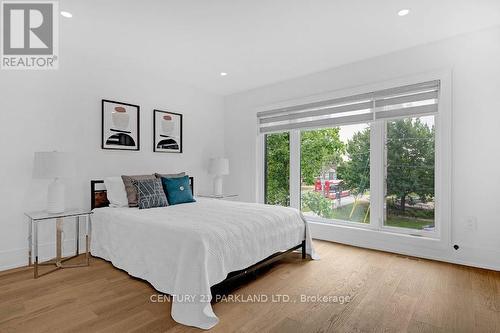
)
(408, 222)
(343, 212)
(358, 215)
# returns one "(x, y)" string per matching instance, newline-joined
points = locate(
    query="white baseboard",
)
(19, 257)
(408, 245)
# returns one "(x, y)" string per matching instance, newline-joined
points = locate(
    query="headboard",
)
(99, 198)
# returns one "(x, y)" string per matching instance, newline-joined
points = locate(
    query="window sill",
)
(375, 238)
(367, 226)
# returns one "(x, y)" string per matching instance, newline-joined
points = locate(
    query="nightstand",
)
(214, 196)
(35, 218)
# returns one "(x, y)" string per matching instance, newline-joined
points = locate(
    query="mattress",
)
(185, 249)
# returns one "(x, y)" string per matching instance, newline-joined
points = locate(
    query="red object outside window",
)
(317, 185)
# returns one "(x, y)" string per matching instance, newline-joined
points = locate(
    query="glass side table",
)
(34, 218)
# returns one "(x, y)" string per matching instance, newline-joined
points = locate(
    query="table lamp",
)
(219, 167)
(54, 165)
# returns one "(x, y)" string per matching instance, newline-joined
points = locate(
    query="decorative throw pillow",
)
(178, 190)
(150, 193)
(131, 189)
(170, 175)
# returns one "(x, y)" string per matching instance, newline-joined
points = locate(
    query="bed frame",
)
(99, 199)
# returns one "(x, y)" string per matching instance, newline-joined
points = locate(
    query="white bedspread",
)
(185, 249)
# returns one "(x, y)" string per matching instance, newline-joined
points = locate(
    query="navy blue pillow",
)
(177, 190)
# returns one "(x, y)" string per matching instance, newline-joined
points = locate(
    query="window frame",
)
(437, 190)
(443, 168)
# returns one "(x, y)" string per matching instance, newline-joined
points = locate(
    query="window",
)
(335, 173)
(277, 159)
(409, 181)
(367, 160)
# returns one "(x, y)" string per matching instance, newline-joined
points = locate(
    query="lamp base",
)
(218, 185)
(55, 201)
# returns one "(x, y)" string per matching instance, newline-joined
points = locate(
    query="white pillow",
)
(117, 195)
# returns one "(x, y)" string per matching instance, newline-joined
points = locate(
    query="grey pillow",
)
(150, 193)
(170, 175)
(131, 189)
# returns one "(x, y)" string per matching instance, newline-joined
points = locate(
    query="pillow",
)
(178, 190)
(131, 189)
(116, 193)
(150, 193)
(170, 175)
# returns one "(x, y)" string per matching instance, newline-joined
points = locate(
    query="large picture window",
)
(368, 160)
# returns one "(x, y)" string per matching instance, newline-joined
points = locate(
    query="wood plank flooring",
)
(387, 292)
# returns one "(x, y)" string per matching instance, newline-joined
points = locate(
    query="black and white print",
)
(120, 126)
(167, 132)
(150, 193)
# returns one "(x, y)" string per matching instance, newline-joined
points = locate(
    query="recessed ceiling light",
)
(223, 73)
(403, 12)
(66, 14)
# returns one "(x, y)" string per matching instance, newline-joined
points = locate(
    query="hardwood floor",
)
(388, 293)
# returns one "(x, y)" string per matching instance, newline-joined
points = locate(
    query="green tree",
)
(278, 169)
(410, 159)
(318, 204)
(320, 149)
(355, 172)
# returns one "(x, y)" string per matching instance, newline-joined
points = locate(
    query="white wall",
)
(61, 110)
(473, 59)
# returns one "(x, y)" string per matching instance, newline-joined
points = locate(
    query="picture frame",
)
(167, 132)
(120, 126)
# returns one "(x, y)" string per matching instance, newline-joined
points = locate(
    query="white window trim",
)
(409, 240)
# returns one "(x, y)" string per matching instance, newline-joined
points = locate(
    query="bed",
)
(184, 250)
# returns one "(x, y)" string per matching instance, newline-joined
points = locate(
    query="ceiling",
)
(258, 42)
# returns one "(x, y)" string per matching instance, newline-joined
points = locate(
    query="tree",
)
(320, 149)
(318, 204)
(410, 159)
(355, 171)
(278, 169)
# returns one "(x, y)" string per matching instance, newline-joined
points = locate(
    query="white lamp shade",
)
(219, 166)
(49, 165)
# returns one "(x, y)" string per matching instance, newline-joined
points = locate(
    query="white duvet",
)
(185, 249)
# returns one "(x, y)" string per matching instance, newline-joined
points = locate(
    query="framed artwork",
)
(167, 132)
(120, 126)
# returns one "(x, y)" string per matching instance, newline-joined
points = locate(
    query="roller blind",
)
(411, 100)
